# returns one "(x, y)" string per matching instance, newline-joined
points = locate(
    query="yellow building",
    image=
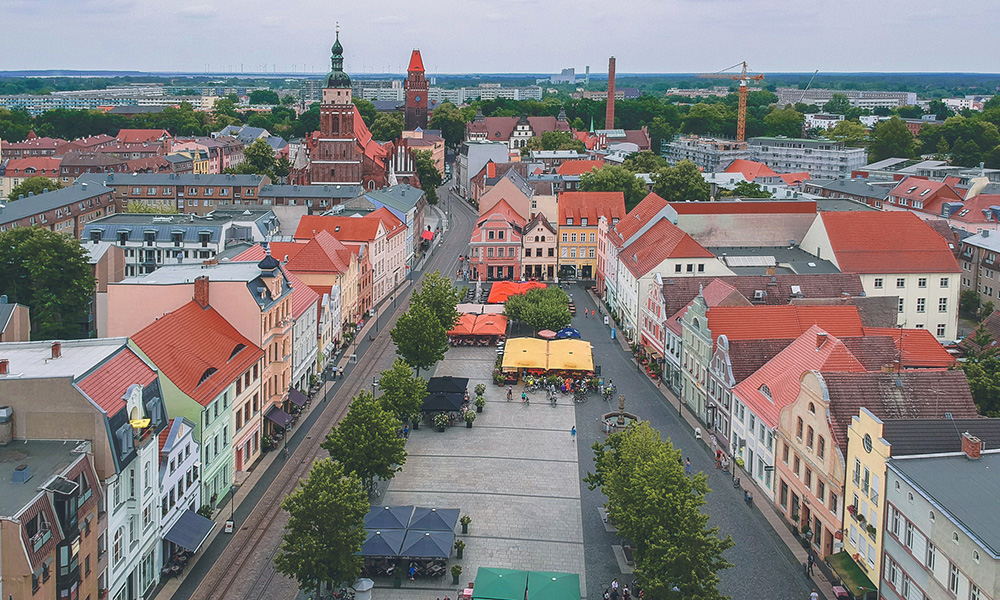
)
(579, 213)
(867, 453)
(199, 160)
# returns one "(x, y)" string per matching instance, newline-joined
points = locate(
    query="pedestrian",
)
(406, 432)
(586, 314)
(614, 584)
(814, 595)
(812, 562)
(718, 458)
(715, 444)
(614, 593)
(572, 433)
(626, 595)
(687, 467)
(524, 397)
(607, 594)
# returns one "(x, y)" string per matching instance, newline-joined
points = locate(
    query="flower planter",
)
(440, 428)
(458, 553)
(468, 424)
(479, 409)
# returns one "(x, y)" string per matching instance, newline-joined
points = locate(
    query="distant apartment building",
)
(473, 157)
(67, 210)
(858, 98)
(980, 268)
(711, 154)
(822, 121)
(822, 159)
(186, 193)
(151, 240)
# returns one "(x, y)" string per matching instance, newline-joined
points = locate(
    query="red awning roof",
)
(427, 235)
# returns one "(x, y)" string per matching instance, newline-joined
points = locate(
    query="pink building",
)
(496, 244)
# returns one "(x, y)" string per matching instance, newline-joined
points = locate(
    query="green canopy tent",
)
(500, 584)
(547, 585)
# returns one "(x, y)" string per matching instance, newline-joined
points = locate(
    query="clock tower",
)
(416, 94)
(337, 157)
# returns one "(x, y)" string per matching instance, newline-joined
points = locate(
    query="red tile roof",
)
(501, 128)
(782, 375)
(108, 383)
(303, 297)
(416, 63)
(636, 219)
(750, 169)
(578, 167)
(914, 188)
(794, 178)
(771, 322)
(716, 293)
(322, 254)
(345, 229)
(905, 395)
(41, 166)
(195, 348)
(590, 206)
(886, 242)
(139, 136)
(393, 226)
(745, 207)
(33, 141)
(919, 347)
(658, 243)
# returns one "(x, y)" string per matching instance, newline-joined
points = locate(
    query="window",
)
(821, 447)
(795, 467)
(921, 304)
(892, 572)
(922, 282)
(798, 428)
(677, 268)
(878, 283)
(784, 453)
(894, 522)
(808, 478)
(569, 220)
(117, 549)
(857, 472)
(583, 221)
(908, 535)
(820, 490)
(944, 282)
(565, 237)
(974, 592)
(809, 437)
(900, 282)
(931, 555)
(975, 556)
(942, 305)
(833, 502)
(952, 578)
(940, 330)
(902, 306)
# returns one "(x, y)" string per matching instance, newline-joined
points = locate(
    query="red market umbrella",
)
(547, 334)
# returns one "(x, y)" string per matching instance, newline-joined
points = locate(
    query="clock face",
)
(417, 98)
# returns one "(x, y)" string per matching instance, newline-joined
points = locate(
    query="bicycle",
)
(580, 397)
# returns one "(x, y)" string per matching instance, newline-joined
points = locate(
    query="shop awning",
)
(499, 584)
(434, 519)
(190, 531)
(278, 417)
(383, 542)
(571, 355)
(427, 544)
(525, 353)
(427, 235)
(545, 585)
(297, 397)
(464, 325)
(388, 517)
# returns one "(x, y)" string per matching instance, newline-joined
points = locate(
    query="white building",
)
(711, 154)
(822, 121)
(823, 159)
(180, 490)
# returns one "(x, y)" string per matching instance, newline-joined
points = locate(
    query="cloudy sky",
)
(489, 36)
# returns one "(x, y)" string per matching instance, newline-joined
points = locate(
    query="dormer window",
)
(237, 350)
(569, 220)
(766, 391)
(583, 221)
(208, 373)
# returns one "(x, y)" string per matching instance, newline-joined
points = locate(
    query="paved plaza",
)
(515, 473)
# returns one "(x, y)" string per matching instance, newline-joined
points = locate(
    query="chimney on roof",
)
(4, 366)
(972, 446)
(56, 349)
(820, 339)
(770, 271)
(201, 291)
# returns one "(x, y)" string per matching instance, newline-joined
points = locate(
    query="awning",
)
(434, 519)
(427, 235)
(500, 584)
(278, 416)
(427, 544)
(190, 531)
(546, 585)
(388, 517)
(297, 397)
(381, 543)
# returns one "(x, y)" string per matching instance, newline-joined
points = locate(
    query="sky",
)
(502, 36)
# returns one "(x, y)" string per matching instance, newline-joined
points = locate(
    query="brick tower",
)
(609, 116)
(337, 156)
(416, 94)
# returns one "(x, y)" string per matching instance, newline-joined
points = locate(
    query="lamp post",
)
(374, 384)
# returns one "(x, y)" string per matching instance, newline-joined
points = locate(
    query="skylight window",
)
(208, 373)
(237, 350)
(765, 390)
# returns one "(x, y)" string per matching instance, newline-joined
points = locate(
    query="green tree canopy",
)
(366, 108)
(264, 97)
(658, 508)
(440, 296)
(33, 185)
(427, 172)
(681, 183)
(326, 517)
(784, 121)
(419, 337)
(891, 139)
(540, 309)
(258, 159)
(450, 121)
(644, 162)
(852, 133)
(746, 189)
(387, 126)
(367, 440)
(225, 107)
(403, 392)
(982, 369)
(50, 273)
(613, 178)
(966, 153)
(839, 104)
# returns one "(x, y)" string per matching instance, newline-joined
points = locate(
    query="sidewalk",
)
(820, 581)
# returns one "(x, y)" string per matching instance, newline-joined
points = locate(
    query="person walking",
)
(510, 393)
(607, 594)
(524, 397)
(687, 467)
(814, 595)
(614, 585)
(812, 562)
(406, 432)
(572, 433)
(626, 595)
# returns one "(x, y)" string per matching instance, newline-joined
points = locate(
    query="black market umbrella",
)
(383, 543)
(448, 384)
(568, 332)
(427, 544)
(388, 517)
(444, 402)
(434, 519)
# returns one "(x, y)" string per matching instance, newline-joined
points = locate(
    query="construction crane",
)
(742, 77)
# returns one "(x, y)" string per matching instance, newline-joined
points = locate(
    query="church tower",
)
(416, 94)
(337, 156)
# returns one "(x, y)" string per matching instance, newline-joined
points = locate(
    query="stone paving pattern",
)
(514, 472)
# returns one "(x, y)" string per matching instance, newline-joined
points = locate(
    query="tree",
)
(387, 126)
(966, 153)
(288, 100)
(968, 303)
(891, 139)
(942, 150)
(644, 162)
(367, 441)
(427, 172)
(258, 159)
(658, 508)
(982, 369)
(909, 112)
(440, 296)
(225, 107)
(50, 273)
(613, 178)
(34, 185)
(366, 109)
(939, 109)
(852, 133)
(574, 144)
(141, 207)
(838, 104)
(450, 121)
(326, 528)
(746, 189)
(784, 121)
(540, 308)
(419, 336)
(403, 392)
(681, 183)
(264, 97)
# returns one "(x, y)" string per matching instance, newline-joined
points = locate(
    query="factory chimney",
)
(609, 118)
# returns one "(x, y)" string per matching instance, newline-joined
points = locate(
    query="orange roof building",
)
(579, 213)
(753, 170)
(212, 378)
(896, 254)
(578, 167)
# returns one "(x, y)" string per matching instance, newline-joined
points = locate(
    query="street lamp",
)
(374, 384)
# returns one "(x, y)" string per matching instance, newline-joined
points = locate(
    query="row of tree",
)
(678, 183)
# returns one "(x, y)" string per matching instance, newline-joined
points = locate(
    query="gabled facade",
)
(180, 478)
(495, 245)
(539, 246)
(579, 217)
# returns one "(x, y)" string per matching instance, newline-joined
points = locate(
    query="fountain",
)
(614, 422)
